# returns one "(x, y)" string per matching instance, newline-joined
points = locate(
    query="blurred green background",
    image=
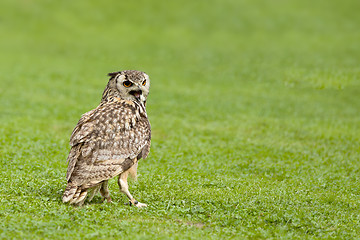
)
(254, 107)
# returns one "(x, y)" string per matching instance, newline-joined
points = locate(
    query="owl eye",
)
(127, 83)
(144, 83)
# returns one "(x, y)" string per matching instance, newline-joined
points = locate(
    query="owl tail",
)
(74, 194)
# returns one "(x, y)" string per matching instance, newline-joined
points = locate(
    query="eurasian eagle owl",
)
(109, 140)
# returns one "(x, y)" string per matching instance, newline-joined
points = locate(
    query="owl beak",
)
(136, 94)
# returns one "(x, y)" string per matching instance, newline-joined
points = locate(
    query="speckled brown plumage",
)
(109, 140)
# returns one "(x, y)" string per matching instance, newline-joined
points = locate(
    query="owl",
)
(109, 140)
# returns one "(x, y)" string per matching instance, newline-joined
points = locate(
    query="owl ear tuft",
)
(113, 74)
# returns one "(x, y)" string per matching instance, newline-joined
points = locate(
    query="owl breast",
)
(111, 133)
(122, 132)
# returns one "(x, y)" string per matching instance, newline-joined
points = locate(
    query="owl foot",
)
(141, 205)
(108, 199)
(137, 204)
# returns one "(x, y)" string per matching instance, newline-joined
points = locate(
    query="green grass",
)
(254, 107)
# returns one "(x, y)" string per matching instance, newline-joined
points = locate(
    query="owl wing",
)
(106, 142)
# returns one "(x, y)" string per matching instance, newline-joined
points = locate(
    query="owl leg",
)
(124, 188)
(93, 192)
(104, 190)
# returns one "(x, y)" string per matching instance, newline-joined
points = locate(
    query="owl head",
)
(129, 85)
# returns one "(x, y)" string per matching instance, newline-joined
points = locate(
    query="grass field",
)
(254, 106)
